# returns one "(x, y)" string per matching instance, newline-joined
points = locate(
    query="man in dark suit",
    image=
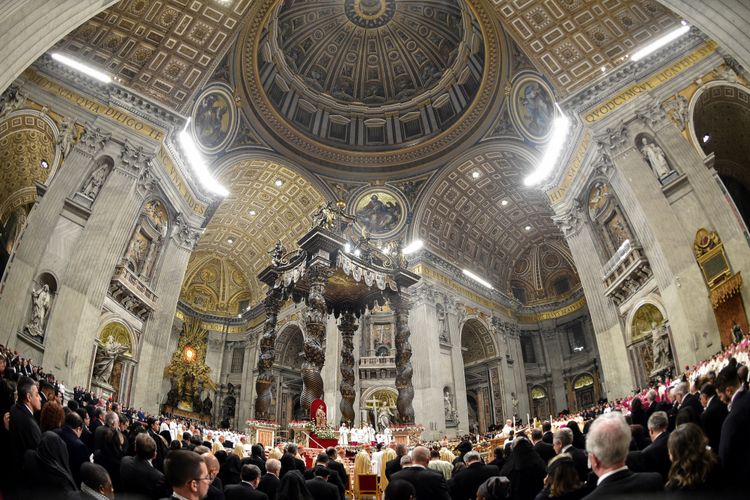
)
(545, 450)
(547, 432)
(333, 478)
(78, 452)
(466, 482)
(688, 403)
(713, 416)
(247, 489)
(654, 457)
(152, 425)
(339, 468)
(289, 460)
(393, 466)
(269, 482)
(735, 439)
(562, 442)
(24, 430)
(137, 474)
(319, 487)
(97, 419)
(188, 475)
(607, 444)
(429, 484)
(95, 481)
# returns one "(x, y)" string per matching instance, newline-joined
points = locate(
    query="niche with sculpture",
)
(147, 241)
(42, 293)
(113, 346)
(650, 344)
(93, 183)
(655, 157)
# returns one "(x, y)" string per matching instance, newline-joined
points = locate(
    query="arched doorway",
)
(288, 365)
(583, 387)
(479, 354)
(539, 402)
(647, 317)
(721, 124)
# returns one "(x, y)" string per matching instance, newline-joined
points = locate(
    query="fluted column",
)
(315, 337)
(347, 327)
(264, 381)
(404, 370)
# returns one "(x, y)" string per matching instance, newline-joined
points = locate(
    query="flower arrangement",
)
(262, 424)
(322, 432)
(299, 424)
(411, 428)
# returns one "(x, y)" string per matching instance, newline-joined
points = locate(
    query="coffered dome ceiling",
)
(372, 86)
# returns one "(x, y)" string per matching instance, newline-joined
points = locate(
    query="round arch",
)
(651, 308)
(481, 338)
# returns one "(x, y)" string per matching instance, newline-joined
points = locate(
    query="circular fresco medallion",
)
(381, 211)
(532, 107)
(214, 119)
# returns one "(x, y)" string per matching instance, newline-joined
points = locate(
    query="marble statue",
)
(95, 181)
(660, 348)
(656, 158)
(208, 405)
(325, 216)
(67, 137)
(442, 323)
(40, 302)
(514, 403)
(384, 416)
(106, 355)
(277, 254)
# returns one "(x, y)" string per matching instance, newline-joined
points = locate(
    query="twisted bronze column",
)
(315, 337)
(347, 327)
(267, 356)
(404, 370)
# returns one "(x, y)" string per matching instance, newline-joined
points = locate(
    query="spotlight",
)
(412, 247)
(278, 183)
(706, 138)
(253, 213)
(527, 228)
(661, 42)
(357, 252)
(83, 68)
(348, 248)
(477, 279)
(504, 203)
(43, 164)
(230, 240)
(475, 174)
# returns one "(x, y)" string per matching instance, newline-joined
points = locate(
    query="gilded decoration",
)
(596, 34)
(381, 211)
(476, 342)
(643, 320)
(711, 257)
(119, 334)
(726, 290)
(256, 214)
(532, 106)
(544, 271)
(408, 76)
(214, 119)
(25, 140)
(480, 222)
(215, 286)
(582, 381)
(164, 50)
(187, 371)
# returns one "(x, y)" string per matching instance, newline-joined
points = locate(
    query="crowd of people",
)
(685, 436)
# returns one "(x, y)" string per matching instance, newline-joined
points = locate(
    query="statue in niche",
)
(737, 333)
(442, 323)
(67, 137)
(106, 355)
(655, 157)
(40, 302)
(137, 252)
(208, 405)
(384, 416)
(514, 403)
(320, 417)
(95, 182)
(662, 353)
(450, 413)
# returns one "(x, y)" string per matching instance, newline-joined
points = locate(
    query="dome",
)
(371, 52)
(377, 77)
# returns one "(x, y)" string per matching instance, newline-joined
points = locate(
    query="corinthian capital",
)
(93, 139)
(185, 235)
(569, 222)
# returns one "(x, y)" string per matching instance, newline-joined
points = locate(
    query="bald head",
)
(420, 455)
(212, 463)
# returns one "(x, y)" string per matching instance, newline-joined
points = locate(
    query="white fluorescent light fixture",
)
(660, 42)
(347, 248)
(83, 68)
(478, 279)
(412, 247)
(199, 167)
(560, 128)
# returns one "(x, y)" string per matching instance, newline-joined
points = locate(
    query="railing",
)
(377, 361)
(618, 257)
